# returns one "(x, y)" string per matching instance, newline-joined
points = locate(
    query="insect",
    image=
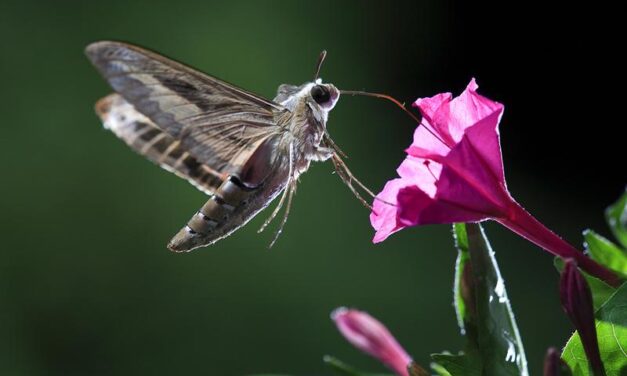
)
(237, 147)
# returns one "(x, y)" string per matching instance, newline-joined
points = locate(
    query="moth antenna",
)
(321, 58)
(399, 104)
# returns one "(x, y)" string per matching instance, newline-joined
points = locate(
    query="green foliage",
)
(342, 369)
(493, 344)
(611, 325)
(616, 216)
(605, 252)
(439, 369)
(463, 364)
(463, 257)
(610, 304)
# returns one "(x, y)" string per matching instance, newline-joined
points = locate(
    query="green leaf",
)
(500, 346)
(456, 365)
(611, 325)
(440, 370)
(343, 369)
(616, 216)
(483, 311)
(605, 252)
(461, 272)
(339, 367)
(601, 291)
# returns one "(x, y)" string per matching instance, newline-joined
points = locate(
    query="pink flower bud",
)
(576, 300)
(370, 336)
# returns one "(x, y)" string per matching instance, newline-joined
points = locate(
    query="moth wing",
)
(158, 146)
(217, 123)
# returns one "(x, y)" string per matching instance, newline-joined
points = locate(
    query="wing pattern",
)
(217, 123)
(143, 136)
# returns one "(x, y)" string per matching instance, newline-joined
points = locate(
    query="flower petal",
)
(415, 207)
(383, 216)
(421, 172)
(451, 117)
(425, 144)
(483, 139)
(470, 185)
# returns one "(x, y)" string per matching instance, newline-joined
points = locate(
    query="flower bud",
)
(576, 300)
(370, 336)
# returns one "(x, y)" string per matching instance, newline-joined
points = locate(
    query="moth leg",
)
(329, 141)
(344, 172)
(292, 189)
(322, 154)
(275, 211)
(352, 177)
(348, 178)
(286, 192)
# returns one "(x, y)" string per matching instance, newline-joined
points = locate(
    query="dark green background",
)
(86, 284)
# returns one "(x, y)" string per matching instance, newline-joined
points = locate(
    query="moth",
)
(237, 147)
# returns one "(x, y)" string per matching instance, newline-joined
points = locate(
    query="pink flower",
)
(370, 336)
(471, 187)
(454, 173)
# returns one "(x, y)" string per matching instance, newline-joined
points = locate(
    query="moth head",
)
(324, 95)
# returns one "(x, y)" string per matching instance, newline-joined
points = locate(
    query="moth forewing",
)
(241, 149)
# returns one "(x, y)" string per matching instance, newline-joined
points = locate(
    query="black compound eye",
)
(320, 94)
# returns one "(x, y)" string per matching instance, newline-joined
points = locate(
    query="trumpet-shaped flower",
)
(453, 172)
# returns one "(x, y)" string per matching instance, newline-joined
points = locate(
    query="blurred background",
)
(86, 284)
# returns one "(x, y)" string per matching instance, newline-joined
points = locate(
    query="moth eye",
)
(320, 94)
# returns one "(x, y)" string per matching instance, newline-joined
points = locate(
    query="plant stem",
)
(525, 225)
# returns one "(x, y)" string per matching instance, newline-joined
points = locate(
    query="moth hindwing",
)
(237, 147)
